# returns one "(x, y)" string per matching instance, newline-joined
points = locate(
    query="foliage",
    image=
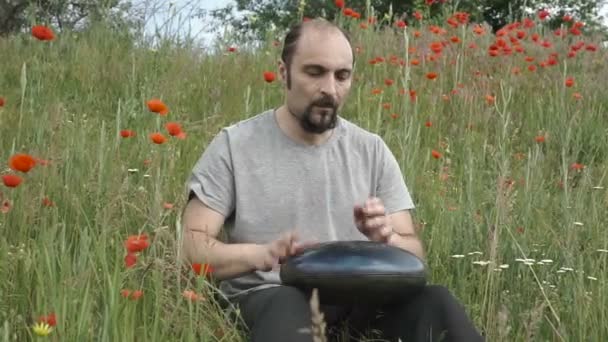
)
(501, 139)
(16, 15)
(256, 20)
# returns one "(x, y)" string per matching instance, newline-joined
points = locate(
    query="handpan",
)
(352, 272)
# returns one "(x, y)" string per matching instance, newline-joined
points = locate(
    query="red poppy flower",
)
(269, 76)
(137, 243)
(47, 202)
(158, 106)
(127, 133)
(51, 319)
(130, 260)
(569, 82)
(436, 154)
(5, 207)
(11, 181)
(158, 138)
(339, 3)
(431, 75)
(202, 269)
(2, 101)
(173, 128)
(22, 162)
(43, 33)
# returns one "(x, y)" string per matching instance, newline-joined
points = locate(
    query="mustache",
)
(326, 101)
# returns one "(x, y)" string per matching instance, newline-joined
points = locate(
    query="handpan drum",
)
(355, 272)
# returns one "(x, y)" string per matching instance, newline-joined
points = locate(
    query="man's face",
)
(320, 77)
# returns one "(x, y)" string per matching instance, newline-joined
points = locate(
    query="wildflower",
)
(22, 162)
(133, 295)
(543, 14)
(577, 166)
(127, 133)
(158, 106)
(191, 295)
(173, 128)
(569, 82)
(42, 329)
(205, 269)
(43, 33)
(158, 138)
(490, 99)
(137, 294)
(11, 181)
(46, 202)
(431, 75)
(51, 319)
(269, 76)
(2, 101)
(5, 207)
(540, 139)
(137, 243)
(130, 260)
(339, 3)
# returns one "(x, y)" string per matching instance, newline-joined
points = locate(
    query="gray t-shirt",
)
(265, 183)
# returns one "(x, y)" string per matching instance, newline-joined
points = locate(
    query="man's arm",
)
(404, 234)
(201, 226)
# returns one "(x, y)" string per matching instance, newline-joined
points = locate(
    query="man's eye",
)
(315, 73)
(343, 75)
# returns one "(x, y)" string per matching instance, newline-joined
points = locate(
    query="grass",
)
(494, 194)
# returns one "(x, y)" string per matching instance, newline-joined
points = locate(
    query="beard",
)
(326, 110)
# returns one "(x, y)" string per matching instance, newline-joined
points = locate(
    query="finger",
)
(301, 246)
(375, 222)
(359, 213)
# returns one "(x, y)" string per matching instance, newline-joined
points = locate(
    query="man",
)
(287, 178)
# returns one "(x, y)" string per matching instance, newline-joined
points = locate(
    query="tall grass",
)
(510, 226)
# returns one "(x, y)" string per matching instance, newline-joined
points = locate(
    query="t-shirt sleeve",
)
(212, 177)
(391, 187)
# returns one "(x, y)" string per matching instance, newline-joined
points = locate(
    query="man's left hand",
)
(372, 221)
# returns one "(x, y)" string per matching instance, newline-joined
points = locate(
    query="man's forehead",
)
(328, 48)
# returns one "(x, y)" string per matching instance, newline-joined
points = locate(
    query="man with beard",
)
(289, 177)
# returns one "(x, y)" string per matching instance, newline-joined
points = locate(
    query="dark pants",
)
(284, 314)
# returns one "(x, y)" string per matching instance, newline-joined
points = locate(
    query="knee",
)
(290, 296)
(436, 295)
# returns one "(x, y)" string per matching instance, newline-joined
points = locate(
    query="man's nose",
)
(329, 86)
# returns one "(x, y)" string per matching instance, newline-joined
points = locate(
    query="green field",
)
(511, 205)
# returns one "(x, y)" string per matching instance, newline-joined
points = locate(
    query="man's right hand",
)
(270, 255)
